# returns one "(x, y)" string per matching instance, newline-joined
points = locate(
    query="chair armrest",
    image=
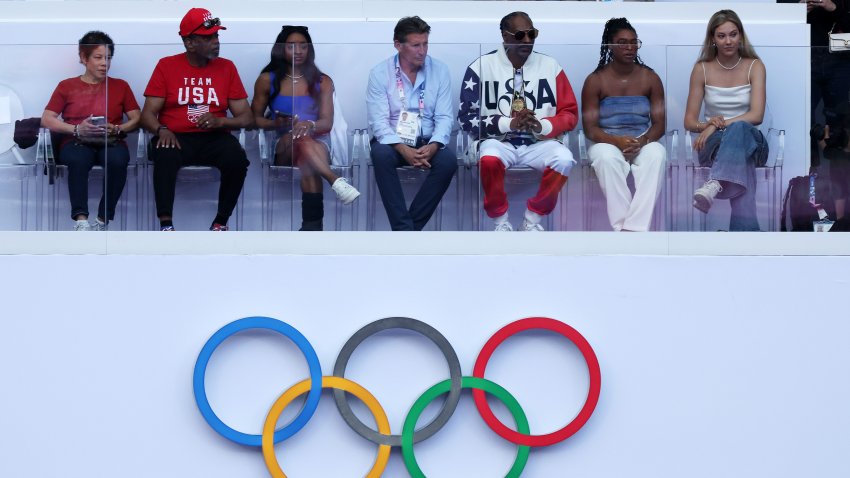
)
(673, 145)
(779, 157)
(689, 149)
(582, 148)
(262, 145)
(471, 154)
(142, 145)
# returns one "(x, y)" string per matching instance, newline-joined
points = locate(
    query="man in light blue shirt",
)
(409, 106)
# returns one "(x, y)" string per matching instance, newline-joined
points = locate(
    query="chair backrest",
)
(339, 136)
(11, 110)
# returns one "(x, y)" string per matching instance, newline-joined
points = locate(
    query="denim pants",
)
(385, 160)
(733, 155)
(80, 158)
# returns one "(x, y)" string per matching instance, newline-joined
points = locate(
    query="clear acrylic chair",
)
(591, 192)
(288, 179)
(189, 176)
(516, 178)
(411, 180)
(770, 175)
(57, 188)
(17, 173)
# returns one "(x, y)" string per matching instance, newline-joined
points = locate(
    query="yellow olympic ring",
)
(303, 387)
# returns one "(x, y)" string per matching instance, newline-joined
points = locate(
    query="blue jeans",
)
(733, 155)
(385, 160)
(80, 158)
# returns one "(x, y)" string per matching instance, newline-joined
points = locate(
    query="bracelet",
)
(77, 131)
(700, 126)
(162, 126)
(312, 123)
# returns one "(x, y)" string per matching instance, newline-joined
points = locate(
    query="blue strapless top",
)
(624, 115)
(304, 106)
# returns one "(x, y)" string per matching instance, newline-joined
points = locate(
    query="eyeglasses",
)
(623, 44)
(520, 34)
(209, 23)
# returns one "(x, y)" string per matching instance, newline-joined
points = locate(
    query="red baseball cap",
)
(199, 21)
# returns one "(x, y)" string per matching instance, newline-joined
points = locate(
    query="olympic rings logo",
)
(451, 387)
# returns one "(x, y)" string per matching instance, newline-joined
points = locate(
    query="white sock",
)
(501, 219)
(82, 221)
(532, 217)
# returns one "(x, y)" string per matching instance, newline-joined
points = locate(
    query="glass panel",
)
(272, 198)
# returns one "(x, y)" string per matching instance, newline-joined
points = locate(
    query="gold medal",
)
(518, 104)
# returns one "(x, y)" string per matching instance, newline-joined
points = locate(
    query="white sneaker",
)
(504, 227)
(531, 227)
(98, 226)
(82, 225)
(344, 191)
(704, 196)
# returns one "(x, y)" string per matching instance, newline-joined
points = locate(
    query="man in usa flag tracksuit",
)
(517, 103)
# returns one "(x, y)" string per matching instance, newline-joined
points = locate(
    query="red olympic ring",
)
(592, 393)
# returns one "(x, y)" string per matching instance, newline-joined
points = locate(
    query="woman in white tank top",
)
(729, 80)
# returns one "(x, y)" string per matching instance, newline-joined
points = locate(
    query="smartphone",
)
(284, 123)
(98, 120)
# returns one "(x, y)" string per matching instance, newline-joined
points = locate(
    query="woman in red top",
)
(92, 122)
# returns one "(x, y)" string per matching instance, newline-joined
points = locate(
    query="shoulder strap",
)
(704, 79)
(751, 69)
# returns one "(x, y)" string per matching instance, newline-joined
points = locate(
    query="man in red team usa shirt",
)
(186, 103)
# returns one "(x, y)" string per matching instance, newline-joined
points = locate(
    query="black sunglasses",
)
(212, 22)
(520, 35)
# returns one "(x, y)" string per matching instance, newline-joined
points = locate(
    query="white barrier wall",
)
(710, 367)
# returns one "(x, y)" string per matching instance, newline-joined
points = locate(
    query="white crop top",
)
(728, 102)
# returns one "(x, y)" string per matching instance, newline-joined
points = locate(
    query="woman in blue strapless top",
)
(293, 97)
(622, 109)
(729, 80)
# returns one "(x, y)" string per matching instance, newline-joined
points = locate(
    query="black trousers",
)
(220, 150)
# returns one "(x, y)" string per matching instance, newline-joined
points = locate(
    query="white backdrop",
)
(732, 367)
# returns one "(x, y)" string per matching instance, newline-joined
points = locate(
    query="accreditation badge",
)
(408, 127)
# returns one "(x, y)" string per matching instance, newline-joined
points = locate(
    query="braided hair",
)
(612, 27)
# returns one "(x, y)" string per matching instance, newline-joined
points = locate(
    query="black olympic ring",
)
(433, 335)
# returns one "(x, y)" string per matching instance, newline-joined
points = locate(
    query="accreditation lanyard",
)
(813, 198)
(403, 98)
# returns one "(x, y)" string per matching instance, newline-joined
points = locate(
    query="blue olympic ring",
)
(310, 405)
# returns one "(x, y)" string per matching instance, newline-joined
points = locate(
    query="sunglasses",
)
(212, 22)
(623, 44)
(520, 35)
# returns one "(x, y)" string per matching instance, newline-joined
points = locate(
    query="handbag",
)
(838, 41)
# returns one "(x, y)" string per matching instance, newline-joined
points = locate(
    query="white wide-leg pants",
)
(624, 211)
